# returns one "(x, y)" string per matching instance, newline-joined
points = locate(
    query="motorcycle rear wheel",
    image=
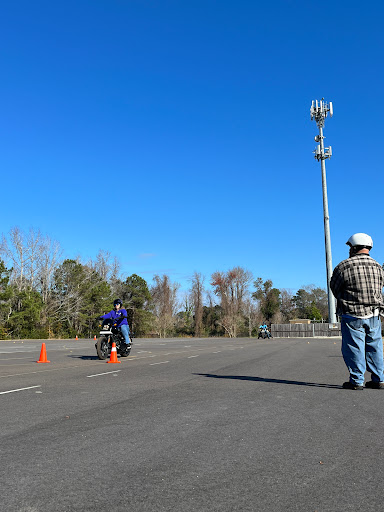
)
(102, 348)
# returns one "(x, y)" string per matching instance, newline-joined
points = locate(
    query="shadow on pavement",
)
(273, 381)
(85, 358)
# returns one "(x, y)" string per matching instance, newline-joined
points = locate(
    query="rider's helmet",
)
(117, 301)
(361, 240)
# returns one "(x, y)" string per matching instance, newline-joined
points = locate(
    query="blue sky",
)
(176, 134)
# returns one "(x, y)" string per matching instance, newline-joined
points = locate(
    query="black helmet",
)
(117, 301)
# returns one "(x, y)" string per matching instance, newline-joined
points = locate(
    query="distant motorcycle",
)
(264, 333)
(110, 333)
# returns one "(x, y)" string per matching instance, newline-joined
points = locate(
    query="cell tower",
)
(319, 111)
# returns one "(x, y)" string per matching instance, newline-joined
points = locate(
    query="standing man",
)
(357, 284)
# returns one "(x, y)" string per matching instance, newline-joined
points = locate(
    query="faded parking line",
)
(105, 373)
(21, 389)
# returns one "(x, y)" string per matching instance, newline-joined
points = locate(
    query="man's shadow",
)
(273, 381)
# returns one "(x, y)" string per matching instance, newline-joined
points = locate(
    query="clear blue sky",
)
(177, 135)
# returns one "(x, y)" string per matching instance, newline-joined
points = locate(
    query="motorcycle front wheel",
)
(102, 348)
(125, 352)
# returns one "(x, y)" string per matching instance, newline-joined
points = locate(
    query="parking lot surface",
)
(187, 425)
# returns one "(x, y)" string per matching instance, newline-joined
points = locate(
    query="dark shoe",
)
(374, 385)
(351, 385)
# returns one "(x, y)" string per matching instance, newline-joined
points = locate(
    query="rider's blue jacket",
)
(120, 317)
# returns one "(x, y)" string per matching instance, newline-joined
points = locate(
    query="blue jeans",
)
(125, 333)
(362, 348)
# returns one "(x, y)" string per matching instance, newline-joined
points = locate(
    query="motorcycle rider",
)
(119, 316)
(262, 330)
(264, 327)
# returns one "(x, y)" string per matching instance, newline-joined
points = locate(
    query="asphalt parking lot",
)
(187, 425)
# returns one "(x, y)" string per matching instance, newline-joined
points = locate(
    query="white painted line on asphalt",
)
(14, 358)
(13, 352)
(21, 389)
(41, 371)
(132, 358)
(162, 362)
(190, 357)
(106, 373)
(62, 368)
(138, 357)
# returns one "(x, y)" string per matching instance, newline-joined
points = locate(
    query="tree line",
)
(43, 295)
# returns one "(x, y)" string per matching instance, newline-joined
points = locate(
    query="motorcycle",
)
(110, 333)
(264, 333)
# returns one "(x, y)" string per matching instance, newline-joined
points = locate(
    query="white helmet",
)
(360, 239)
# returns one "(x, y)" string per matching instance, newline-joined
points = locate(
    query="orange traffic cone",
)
(77, 338)
(94, 337)
(113, 358)
(43, 355)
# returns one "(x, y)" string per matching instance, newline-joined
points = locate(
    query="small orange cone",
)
(43, 355)
(113, 358)
(77, 338)
(94, 337)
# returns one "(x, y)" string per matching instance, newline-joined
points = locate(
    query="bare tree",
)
(252, 313)
(287, 306)
(33, 258)
(164, 297)
(49, 259)
(33, 246)
(197, 293)
(232, 289)
(107, 267)
(15, 251)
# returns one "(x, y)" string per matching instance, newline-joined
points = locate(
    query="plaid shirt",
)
(357, 284)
